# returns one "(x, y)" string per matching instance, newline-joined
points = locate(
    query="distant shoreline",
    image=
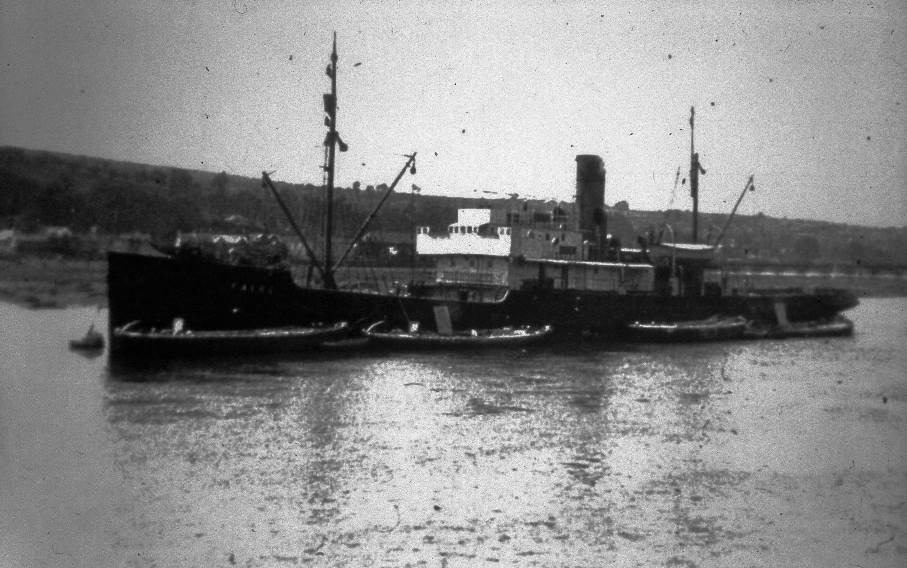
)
(53, 282)
(59, 282)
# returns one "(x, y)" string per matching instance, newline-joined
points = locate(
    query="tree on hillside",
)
(807, 248)
(220, 181)
(118, 206)
(12, 158)
(16, 193)
(58, 204)
(181, 180)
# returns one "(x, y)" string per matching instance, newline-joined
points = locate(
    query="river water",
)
(768, 453)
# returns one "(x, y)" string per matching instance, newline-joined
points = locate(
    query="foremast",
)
(331, 143)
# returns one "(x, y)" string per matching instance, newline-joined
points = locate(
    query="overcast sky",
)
(807, 96)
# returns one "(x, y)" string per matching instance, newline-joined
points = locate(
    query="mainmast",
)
(695, 170)
(330, 142)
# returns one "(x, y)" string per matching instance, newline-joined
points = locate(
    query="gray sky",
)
(808, 96)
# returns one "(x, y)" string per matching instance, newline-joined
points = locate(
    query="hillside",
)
(49, 189)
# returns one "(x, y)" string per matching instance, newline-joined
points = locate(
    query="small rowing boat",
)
(93, 340)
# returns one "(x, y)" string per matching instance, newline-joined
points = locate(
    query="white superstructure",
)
(476, 252)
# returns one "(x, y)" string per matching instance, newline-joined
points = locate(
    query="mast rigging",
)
(330, 142)
(749, 186)
(411, 165)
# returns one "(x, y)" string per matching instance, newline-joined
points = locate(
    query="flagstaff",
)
(695, 169)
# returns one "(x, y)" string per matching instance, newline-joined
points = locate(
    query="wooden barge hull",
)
(146, 342)
(379, 335)
(713, 329)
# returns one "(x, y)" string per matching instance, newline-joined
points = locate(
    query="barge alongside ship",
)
(493, 269)
(135, 339)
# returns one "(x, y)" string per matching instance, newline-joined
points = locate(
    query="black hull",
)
(207, 295)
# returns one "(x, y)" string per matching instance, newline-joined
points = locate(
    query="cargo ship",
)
(491, 269)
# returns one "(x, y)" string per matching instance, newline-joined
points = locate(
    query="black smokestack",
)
(590, 194)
